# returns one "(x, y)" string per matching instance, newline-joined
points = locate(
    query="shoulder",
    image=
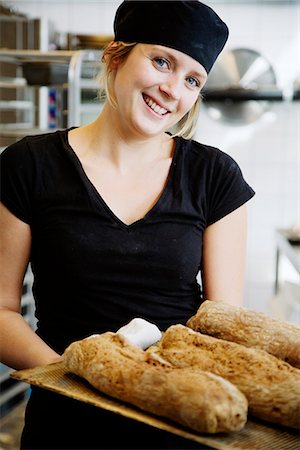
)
(33, 148)
(36, 142)
(205, 157)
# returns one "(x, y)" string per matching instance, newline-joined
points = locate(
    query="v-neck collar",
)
(97, 195)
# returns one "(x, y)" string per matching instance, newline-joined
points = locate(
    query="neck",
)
(107, 138)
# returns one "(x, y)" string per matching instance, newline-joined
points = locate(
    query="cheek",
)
(141, 78)
(146, 77)
(120, 85)
(188, 102)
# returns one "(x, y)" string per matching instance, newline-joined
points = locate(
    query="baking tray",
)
(255, 435)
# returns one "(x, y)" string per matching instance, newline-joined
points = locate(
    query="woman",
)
(117, 217)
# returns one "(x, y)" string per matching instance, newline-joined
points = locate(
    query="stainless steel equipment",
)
(240, 86)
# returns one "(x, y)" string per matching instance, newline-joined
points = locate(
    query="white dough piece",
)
(140, 332)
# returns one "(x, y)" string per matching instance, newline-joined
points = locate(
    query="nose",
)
(172, 87)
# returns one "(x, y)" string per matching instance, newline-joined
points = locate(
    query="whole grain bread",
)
(249, 328)
(272, 387)
(199, 400)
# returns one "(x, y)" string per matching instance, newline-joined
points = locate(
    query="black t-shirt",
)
(92, 272)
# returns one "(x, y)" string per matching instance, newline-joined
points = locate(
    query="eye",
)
(162, 63)
(193, 82)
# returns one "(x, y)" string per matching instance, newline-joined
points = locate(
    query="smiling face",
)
(155, 87)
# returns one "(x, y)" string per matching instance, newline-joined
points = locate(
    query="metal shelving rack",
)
(79, 82)
(77, 89)
(17, 104)
(23, 105)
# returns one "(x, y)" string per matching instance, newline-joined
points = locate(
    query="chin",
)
(150, 130)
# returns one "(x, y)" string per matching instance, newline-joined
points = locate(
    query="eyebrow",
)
(200, 74)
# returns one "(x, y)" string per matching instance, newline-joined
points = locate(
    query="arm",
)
(20, 347)
(224, 255)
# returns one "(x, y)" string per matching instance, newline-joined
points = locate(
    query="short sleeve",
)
(228, 189)
(17, 179)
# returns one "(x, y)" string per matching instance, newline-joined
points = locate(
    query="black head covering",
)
(188, 26)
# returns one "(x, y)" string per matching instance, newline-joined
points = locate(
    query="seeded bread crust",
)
(249, 328)
(199, 400)
(272, 387)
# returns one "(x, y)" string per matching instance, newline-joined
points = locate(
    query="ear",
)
(113, 62)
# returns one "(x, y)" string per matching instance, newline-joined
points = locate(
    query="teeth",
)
(155, 106)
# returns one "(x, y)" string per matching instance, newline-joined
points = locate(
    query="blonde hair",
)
(184, 128)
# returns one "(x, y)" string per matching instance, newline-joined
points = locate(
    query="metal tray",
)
(255, 435)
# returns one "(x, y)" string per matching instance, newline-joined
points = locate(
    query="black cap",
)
(188, 26)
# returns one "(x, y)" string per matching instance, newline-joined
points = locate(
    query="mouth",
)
(158, 109)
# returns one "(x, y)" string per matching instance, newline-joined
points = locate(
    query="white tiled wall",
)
(267, 150)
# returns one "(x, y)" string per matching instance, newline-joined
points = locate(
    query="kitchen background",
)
(262, 135)
(268, 149)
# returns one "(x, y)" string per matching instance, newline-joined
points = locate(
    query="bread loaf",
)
(250, 328)
(272, 387)
(199, 400)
